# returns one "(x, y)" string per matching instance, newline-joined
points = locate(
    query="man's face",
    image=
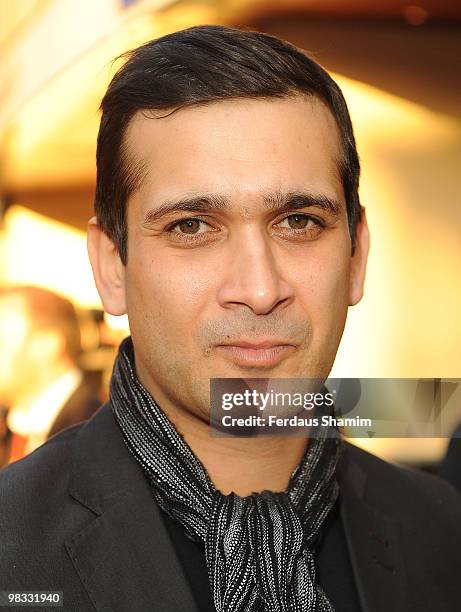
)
(260, 255)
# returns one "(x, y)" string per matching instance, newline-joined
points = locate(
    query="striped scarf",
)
(258, 549)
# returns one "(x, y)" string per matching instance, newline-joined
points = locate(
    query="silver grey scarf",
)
(259, 549)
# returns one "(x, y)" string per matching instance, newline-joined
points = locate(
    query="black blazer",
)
(450, 467)
(77, 515)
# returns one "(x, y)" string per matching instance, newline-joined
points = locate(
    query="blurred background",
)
(398, 65)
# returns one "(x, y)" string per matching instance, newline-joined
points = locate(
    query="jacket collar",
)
(373, 539)
(124, 556)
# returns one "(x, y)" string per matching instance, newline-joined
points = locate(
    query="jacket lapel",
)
(123, 555)
(373, 541)
(126, 561)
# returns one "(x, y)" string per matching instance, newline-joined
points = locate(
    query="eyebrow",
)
(277, 202)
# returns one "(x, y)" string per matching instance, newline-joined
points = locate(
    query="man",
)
(228, 227)
(42, 383)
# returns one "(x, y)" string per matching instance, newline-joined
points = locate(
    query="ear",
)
(108, 269)
(359, 260)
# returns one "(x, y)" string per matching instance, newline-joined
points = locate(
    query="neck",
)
(240, 465)
(245, 465)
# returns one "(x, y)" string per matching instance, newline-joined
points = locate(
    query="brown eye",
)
(190, 230)
(189, 226)
(297, 221)
(300, 226)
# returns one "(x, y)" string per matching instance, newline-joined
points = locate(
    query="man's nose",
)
(253, 275)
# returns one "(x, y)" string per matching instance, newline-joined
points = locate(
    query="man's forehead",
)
(265, 116)
(296, 144)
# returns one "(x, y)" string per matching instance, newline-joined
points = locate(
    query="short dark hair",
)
(196, 66)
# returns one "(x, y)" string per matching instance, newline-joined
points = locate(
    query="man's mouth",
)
(265, 353)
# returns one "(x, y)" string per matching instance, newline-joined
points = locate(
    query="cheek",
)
(323, 287)
(166, 295)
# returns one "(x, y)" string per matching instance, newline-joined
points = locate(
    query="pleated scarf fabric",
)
(259, 549)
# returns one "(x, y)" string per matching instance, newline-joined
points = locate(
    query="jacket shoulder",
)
(39, 467)
(33, 491)
(391, 485)
(36, 517)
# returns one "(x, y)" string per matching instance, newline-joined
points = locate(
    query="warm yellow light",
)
(13, 329)
(53, 118)
(119, 323)
(43, 252)
(405, 450)
(409, 322)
